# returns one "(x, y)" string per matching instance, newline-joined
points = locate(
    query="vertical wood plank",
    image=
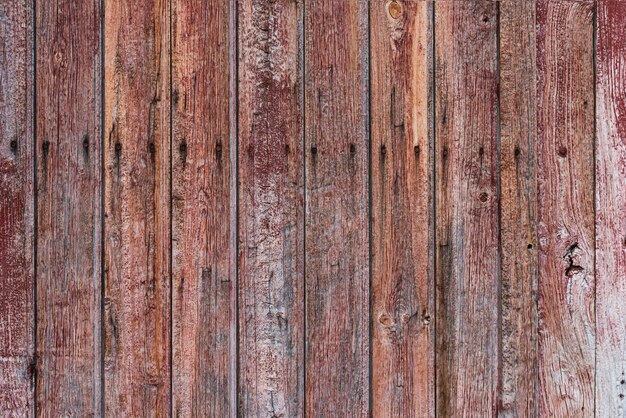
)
(402, 211)
(201, 170)
(337, 213)
(271, 211)
(467, 207)
(565, 212)
(69, 187)
(137, 208)
(16, 209)
(518, 209)
(611, 209)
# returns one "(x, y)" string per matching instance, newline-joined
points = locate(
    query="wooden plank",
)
(402, 211)
(518, 209)
(201, 175)
(271, 211)
(467, 218)
(565, 210)
(69, 215)
(137, 208)
(611, 209)
(16, 209)
(336, 190)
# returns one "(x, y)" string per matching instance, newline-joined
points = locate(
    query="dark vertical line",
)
(368, 134)
(233, 59)
(102, 207)
(171, 252)
(35, 360)
(433, 154)
(304, 199)
(595, 207)
(499, 379)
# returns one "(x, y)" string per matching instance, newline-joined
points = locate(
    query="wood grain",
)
(137, 208)
(518, 209)
(271, 209)
(611, 209)
(337, 213)
(69, 215)
(201, 223)
(467, 162)
(565, 212)
(402, 210)
(16, 210)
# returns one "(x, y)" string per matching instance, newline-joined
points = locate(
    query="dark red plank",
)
(271, 209)
(69, 216)
(611, 209)
(336, 190)
(468, 262)
(402, 209)
(201, 226)
(518, 209)
(137, 208)
(565, 207)
(16, 209)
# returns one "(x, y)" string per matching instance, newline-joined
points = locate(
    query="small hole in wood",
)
(562, 151)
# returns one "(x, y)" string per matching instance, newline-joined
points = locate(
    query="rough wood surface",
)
(201, 169)
(271, 210)
(611, 209)
(467, 162)
(69, 187)
(17, 370)
(137, 208)
(336, 190)
(565, 209)
(518, 209)
(402, 209)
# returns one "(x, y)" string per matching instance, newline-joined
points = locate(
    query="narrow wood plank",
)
(565, 210)
(201, 171)
(467, 218)
(611, 209)
(16, 209)
(137, 208)
(518, 209)
(336, 190)
(402, 210)
(271, 209)
(69, 218)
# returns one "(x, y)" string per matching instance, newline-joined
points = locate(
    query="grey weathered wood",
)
(17, 367)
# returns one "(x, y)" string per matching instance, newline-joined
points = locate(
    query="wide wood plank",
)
(402, 209)
(565, 209)
(611, 209)
(201, 223)
(17, 366)
(137, 208)
(69, 218)
(467, 207)
(271, 209)
(518, 209)
(336, 190)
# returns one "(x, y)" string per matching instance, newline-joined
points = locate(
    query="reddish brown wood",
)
(16, 210)
(271, 209)
(336, 190)
(137, 208)
(565, 214)
(467, 207)
(518, 209)
(611, 209)
(69, 186)
(201, 170)
(402, 210)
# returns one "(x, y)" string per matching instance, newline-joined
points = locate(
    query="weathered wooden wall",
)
(281, 208)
